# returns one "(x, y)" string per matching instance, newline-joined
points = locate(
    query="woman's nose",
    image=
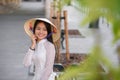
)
(41, 31)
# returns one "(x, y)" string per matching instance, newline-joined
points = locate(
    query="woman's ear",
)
(54, 30)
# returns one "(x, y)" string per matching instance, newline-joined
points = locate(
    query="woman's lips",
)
(40, 35)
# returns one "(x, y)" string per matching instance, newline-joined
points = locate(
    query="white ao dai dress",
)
(43, 59)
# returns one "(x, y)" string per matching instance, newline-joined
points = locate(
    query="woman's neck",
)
(41, 40)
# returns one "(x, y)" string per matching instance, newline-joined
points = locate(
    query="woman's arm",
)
(29, 55)
(49, 62)
(28, 58)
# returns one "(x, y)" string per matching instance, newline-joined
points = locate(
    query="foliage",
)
(61, 3)
(105, 8)
(93, 67)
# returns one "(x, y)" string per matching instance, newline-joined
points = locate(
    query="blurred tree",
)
(90, 68)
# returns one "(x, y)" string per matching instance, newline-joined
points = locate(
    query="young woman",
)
(42, 50)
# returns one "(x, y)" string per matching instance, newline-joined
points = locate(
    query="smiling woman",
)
(42, 51)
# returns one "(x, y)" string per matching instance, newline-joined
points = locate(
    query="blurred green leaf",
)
(110, 9)
(91, 68)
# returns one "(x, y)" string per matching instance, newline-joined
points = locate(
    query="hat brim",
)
(30, 23)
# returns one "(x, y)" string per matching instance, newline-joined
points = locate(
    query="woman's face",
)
(40, 31)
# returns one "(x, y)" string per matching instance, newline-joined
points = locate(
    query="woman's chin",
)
(40, 38)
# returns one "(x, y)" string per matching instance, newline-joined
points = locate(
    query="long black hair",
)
(48, 27)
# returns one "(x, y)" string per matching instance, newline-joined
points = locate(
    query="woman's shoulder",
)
(49, 44)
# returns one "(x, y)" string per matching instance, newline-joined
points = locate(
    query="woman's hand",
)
(33, 39)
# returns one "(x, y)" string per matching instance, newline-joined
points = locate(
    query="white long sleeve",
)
(28, 58)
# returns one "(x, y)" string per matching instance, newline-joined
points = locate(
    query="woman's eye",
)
(38, 28)
(45, 29)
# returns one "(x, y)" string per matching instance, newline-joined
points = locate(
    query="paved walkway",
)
(31, 8)
(14, 42)
(78, 45)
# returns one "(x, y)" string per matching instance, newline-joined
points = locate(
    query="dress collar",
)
(42, 41)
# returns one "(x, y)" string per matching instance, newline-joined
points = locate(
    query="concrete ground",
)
(14, 42)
